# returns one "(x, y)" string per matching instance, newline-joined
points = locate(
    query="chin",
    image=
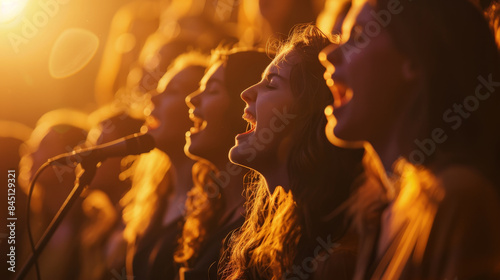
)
(200, 150)
(244, 154)
(342, 133)
(342, 137)
(190, 148)
(235, 155)
(193, 150)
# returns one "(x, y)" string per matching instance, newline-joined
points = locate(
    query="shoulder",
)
(460, 178)
(465, 236)
(466, 188)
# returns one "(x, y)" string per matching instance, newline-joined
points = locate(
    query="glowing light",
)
(147, 111)
(125, 43)
(71, 52)
(330, 134)
(329, 111)
(322, 56)
(10, 9)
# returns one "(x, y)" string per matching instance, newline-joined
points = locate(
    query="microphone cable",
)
(28, 215)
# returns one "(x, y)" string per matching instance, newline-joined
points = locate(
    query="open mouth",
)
(199, 124)
(252, 122)
(341, 94)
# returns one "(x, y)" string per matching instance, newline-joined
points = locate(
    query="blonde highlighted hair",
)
(150, 173)
(280, 227)
(205, 207)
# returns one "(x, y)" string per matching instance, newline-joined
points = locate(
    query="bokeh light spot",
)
(125, 43)
(71, 52)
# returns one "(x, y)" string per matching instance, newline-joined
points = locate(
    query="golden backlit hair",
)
(141, 202)
(15, 130)
(150, 173)
(63, 116)
(280, 226)
(266, 244)
(59, 119)
(183, 61)
(130, 26)
(49, 120)
(204, 208)
(419, 195)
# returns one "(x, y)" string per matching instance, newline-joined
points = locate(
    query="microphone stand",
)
(82, 180)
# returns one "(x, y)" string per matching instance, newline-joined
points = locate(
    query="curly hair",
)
(202, 211)
(280, 226)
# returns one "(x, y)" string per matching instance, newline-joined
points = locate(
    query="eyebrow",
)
(274, 74)
(271, 72)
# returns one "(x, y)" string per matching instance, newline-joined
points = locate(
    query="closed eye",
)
(271, 81)
(212, 88)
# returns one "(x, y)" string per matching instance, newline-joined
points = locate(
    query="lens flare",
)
(71, 52)
(10, 9)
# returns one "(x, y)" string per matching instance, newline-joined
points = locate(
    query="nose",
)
(249, 94)
(193, 99)
(331, 56)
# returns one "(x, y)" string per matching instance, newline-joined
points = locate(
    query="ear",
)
(410, 70)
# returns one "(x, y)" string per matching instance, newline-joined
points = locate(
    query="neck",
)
(181, 183)
(230, 181)
(399, 140)
(277, 176)
(388, 152)
(181, 171)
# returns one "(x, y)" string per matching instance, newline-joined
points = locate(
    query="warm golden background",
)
(27, 89)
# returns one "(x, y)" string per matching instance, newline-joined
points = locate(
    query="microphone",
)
(134, 144)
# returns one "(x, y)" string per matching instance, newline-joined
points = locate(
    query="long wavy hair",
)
(151, 173)
(205, 204)
(280, 227)
(71, 126)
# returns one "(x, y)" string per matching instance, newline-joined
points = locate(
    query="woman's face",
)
(366, 75)
(214, 116)
(269, 113)
(169, 119)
